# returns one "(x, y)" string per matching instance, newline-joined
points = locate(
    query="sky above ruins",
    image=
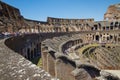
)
(41, 9)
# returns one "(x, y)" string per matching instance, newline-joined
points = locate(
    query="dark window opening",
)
(95, 27)
(111, 27)
(103, 28)
(67, 29)
(107, 28)
(107, 38)
(111, 37)
(97, 38)
(92, 28)
(111, 24)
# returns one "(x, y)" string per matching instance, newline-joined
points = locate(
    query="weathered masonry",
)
(12, 21)
(70, 49)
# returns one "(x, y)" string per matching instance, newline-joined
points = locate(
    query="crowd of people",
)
(8, 34)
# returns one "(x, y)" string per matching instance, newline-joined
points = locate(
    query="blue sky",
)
(41, 9)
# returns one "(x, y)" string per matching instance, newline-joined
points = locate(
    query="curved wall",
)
(65, 68)
(15, 67)
(56, 63)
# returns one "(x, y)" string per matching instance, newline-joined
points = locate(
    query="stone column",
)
(63, 69)
(94, 37)
(44, 52)
(51, 64)
(81, 74)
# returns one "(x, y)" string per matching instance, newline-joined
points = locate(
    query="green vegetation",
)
(37, 61)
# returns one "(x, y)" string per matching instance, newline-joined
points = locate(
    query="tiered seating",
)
(57, 44)
(104, 58)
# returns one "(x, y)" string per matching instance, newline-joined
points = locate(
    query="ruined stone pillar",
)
(44, 52)
(51, 64)
(81, 74)
(63, 69)
(94, 38)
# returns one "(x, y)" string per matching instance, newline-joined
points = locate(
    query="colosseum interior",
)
(59, 49)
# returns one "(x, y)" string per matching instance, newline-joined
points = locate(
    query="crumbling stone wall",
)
(113, 13)
(29, 45)
(12, 21)
(10, 18)
(51, 63)
(64, 69)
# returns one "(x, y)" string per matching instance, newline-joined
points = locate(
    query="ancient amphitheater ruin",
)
(65, 49)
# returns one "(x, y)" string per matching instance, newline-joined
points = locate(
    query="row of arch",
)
(69, 44)
(103, 37)
(32, 50)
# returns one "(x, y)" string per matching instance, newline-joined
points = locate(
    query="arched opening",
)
(35, 52)
(116, 24)
(97, 37)
(32, 54)
(111, 37)
(96, 27)
(38, 49)
(28, 53)
(111, 27)
(67, 29)
(111, 24)
(108, 38)
(92, 28)
(80, 41)
(119, 25)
